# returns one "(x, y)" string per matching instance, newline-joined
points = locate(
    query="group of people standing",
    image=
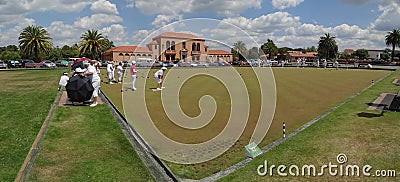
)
(111, 72)
(92, 72)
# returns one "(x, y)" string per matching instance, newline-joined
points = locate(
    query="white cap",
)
(133, 62)
(79, 70)
(164, 68)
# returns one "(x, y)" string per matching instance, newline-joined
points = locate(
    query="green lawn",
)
(81, 143)
(302, 94)
(86, 144)
(366, 137)
(26, 98)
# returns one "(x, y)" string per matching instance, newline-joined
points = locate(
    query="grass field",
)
(366, 137)
(74, 147)
(26, 97)
(302, 94)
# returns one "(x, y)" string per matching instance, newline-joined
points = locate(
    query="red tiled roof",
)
(350, 51)
(129, 49)
(218, 52)
(302, 55)
(178, 35)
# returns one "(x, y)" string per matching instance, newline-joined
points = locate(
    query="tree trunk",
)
(394, 47)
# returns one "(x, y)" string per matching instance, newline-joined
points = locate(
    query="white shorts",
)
(96, 86)
(110, 75)
(158, 80)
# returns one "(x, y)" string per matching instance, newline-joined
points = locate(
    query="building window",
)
(198, 47)
(193, 46)
(155, 46)
(173, 45)
(168, 45)
(183, 45)
(120, 54)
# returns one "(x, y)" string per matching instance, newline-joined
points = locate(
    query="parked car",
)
(195, 64)
(14, 64)
(3, 65)
(61, 63)
(203, 64)
(48, 64)
(27, 63)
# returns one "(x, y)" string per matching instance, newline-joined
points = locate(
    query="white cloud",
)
(266, 23)
(283, 4)
(116, 33)
(170, 10)
(388, 20)
(10, 36)
(162, 20)
(96, 21)
(105, 7)
(140, 36)
(168, 7)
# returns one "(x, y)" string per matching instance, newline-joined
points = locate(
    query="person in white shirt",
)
(91, 73)
(120, 72)
(158, 76)
(63, 81)
(133, 74)
(110, 72)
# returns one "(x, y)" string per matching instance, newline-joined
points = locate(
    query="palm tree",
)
(239, 50)
(34, 39)
(393, 39)
(327, 46)
(92, 44)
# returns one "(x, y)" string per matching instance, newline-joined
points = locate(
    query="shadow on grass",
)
(369, 115)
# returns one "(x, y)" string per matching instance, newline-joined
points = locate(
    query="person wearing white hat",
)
(91, 73)
(110, 72)
(63, 81)
(158, 76)
(133, 74)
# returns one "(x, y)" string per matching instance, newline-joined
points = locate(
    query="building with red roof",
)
(169, 47)
(126, 53)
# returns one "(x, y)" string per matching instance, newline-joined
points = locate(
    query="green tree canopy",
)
(393, 39)
(33, 40)
(92, 44)
(361, 53)
(327, 47)
(269, 48)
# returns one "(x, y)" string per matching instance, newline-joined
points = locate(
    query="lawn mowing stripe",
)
(158, 169)
(243, 163)
(30, 158)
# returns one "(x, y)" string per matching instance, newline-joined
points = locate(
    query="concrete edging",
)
(157, 168)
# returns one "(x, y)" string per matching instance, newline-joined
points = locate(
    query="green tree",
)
(10, 55)
(92, 44)
(327, 47)
(254, 53)
(269, 48)
(311, 49)
(284, 53)
(361, 53)
(346, 55)
(393, 39)
(108, 45)
(239, 50)
(33, 40)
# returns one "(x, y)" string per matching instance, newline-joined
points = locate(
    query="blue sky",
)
(293, 23)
